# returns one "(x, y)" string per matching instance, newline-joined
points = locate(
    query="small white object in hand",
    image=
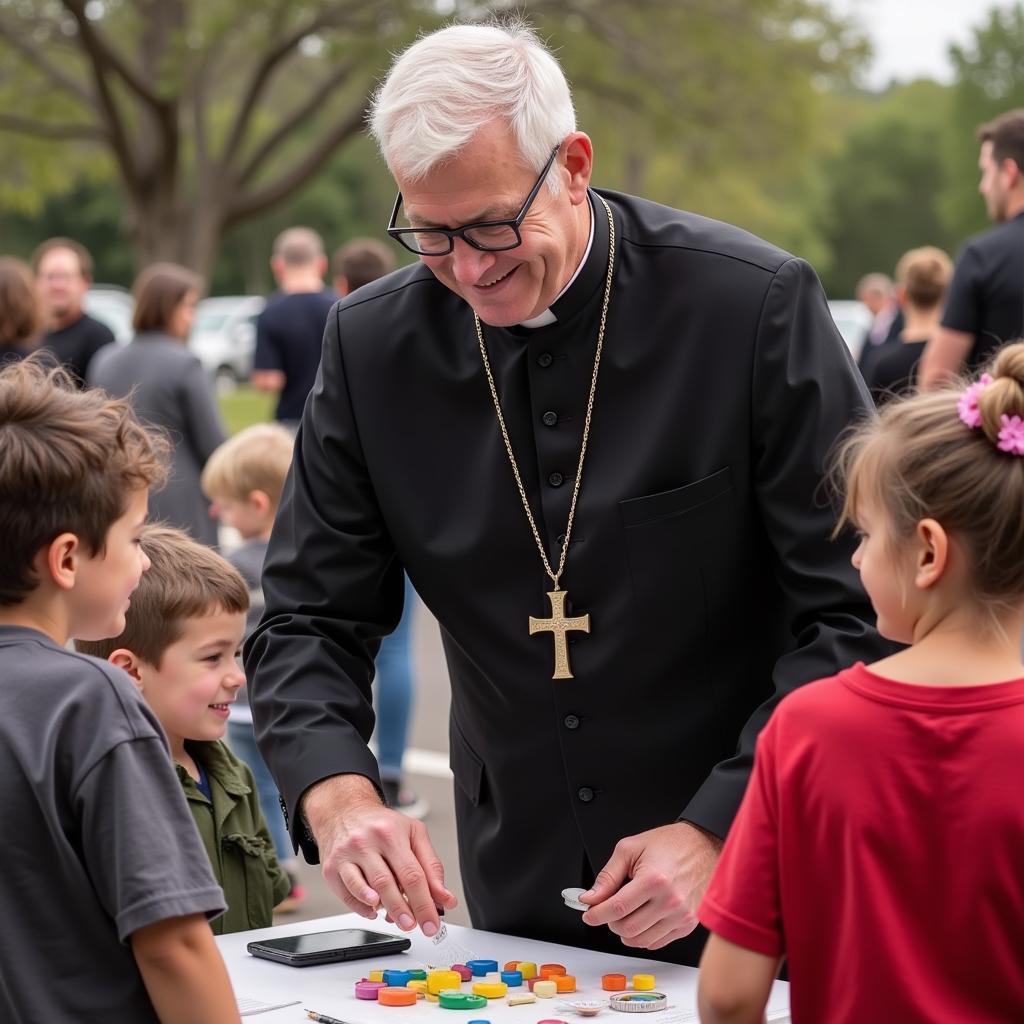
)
(572, 898)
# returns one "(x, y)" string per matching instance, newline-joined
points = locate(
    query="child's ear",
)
(260, 500)
(932, 553)
(60, 559)
(124, 659)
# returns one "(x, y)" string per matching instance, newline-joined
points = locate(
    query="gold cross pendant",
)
(559, 625)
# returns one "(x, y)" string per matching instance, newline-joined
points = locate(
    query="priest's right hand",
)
(373, 857)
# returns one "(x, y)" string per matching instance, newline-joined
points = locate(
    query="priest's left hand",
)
(649, 891)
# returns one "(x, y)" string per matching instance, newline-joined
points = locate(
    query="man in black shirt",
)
(290, 329)
(629, 570)
(63, 269)
(985, 307)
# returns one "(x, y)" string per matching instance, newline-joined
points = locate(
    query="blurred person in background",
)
(63, 270)
(290, 330)
(169, 388)
(21, 314)
(875, 291)
(922, 277)
(355, 264)
(985, 308)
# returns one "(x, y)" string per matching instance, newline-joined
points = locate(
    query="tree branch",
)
(104, 56)
(295, 120)
(42, 130)
(271, 59)
(262, 199)
(44, 64)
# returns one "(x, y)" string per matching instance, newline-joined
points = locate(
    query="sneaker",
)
(399, 798)
(295, 898)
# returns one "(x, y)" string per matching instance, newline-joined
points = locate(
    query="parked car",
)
(853, 320)
(224, 337)
(113, 306)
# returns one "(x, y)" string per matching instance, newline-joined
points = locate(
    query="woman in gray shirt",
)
(169, 389)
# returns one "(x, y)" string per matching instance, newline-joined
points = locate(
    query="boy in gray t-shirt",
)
(104, 900)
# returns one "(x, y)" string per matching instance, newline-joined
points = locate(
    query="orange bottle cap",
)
(393, 996)
(613, 982)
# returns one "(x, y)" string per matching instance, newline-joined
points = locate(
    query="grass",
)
(245, 406)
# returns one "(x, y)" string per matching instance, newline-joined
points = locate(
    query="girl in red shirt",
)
(880, 844)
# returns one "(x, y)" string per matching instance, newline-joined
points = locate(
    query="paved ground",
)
(426, 770)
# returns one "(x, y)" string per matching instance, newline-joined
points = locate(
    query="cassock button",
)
(549, 419)
(545, 359)
(571, 722)
(586, 794)
(556, 479)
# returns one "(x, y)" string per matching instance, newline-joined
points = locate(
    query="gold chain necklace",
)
(558, 625)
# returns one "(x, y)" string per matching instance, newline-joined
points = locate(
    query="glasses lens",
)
(427, 242)
(495, 236)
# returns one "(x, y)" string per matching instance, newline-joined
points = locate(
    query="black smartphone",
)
(327, 947)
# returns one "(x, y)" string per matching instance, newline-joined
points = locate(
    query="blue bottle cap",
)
(511, 978)
(397, 979)
(481, 967)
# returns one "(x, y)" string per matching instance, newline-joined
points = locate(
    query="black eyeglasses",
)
(486, 235)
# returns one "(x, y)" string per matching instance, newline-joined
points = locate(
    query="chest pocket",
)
(248, 881)
(673, 538)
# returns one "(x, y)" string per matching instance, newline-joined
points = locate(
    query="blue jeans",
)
(243, 742)
(394, 691)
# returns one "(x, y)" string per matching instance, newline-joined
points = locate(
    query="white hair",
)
(451, 83)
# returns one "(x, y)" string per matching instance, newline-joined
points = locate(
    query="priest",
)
(593, 431)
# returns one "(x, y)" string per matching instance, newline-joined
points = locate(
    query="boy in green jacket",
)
(180, 645)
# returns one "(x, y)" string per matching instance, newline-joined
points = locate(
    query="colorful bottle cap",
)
(375, 976)
(462, 971)
(545, 988)
(512, 965)
(512, 978)
(492, 976)
(642, 982)
(418, 985)
(416, 974)
(490, 989)
(551, 1020)
(439, 980)
(368, 989)
(391, 996)
(461, 1001)
(613, 982)
(397, 979)
(564, 982)
(550, 970)
(527, 968)
(585, 1007)
(481, 967)
(521, 998)
(638, 1002)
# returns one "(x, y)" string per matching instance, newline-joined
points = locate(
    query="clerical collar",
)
(547, 316)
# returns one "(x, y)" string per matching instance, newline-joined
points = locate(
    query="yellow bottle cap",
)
(545, 989)
(527, 969)
(641, 982)
(439, 980)
(490, 989)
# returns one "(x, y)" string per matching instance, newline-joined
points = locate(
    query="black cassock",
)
(700, 550)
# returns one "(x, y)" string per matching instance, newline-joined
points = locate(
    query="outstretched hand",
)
(649, 891)
(373, 857)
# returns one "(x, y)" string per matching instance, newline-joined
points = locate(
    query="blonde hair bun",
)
(1005, 395)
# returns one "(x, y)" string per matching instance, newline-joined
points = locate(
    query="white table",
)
(329, 989)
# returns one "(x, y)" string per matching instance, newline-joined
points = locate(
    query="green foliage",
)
(989, 80)
(883, 188)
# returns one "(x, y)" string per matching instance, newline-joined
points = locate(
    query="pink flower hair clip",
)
(1011, 433)
(967, 407)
